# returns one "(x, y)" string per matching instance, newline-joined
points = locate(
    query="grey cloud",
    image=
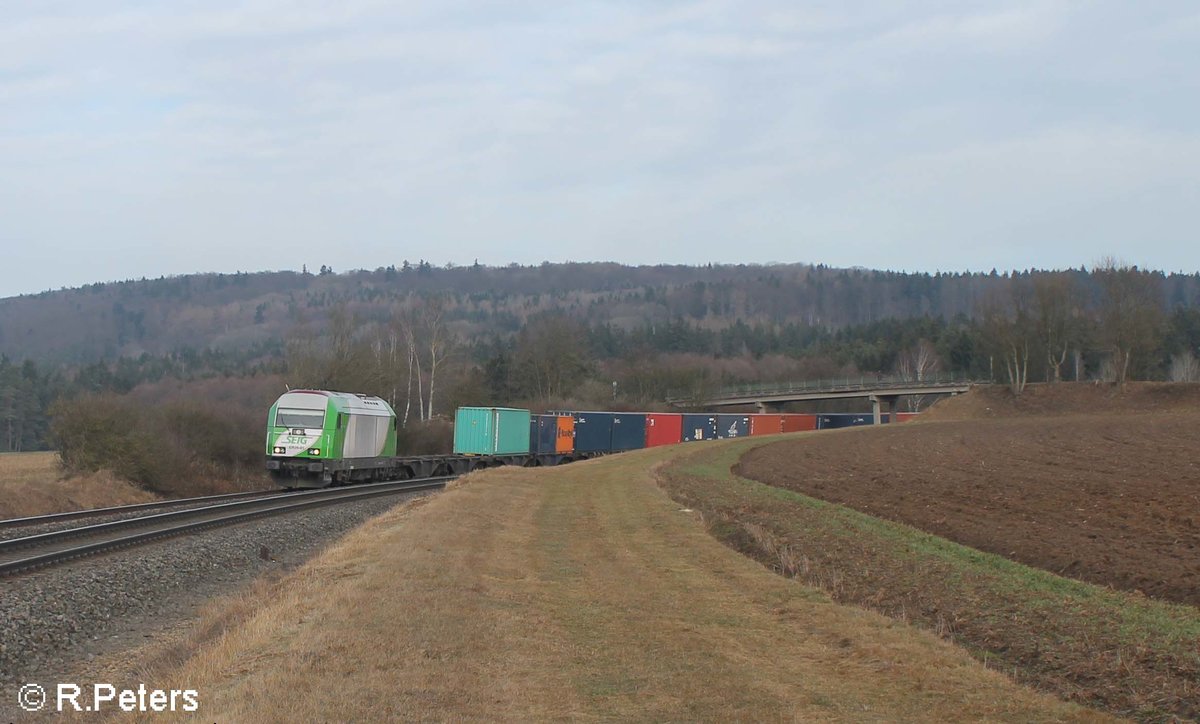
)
(148, 139)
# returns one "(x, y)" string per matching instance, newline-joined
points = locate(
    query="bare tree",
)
(429, 344)
(1008, 331)
(439, 341)
(1130, 314)
(917, 365)
(324, 361)
(387, 349)
(1184, 368)
(1058, 312)
(549, 355)
(406, 322)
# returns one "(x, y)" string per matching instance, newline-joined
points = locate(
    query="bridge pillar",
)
(769, 406)
(877, 418)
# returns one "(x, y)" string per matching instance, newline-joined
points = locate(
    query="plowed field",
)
(1112, 499)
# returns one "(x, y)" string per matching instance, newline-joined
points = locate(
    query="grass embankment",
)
(1105, 648)
(574, 592)
(34, 484)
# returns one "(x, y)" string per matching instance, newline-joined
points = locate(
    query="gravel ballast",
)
(54, 620)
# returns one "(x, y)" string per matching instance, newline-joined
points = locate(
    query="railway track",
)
(136, 507)
(21, 555)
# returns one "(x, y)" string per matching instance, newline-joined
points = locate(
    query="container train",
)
(317, 438)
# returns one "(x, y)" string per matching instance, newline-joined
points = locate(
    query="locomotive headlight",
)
(315, 451)
(279, 450)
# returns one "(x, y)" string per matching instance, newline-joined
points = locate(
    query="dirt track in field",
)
(1111, 497)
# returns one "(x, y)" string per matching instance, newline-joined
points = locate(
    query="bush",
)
(435, 437)
(106, 432)
(181, 448)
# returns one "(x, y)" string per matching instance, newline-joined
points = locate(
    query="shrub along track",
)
(1111, 649)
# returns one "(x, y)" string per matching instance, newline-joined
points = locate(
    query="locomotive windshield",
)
(300, 418)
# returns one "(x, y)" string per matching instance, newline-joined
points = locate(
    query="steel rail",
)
(165, 525)
(133, 508)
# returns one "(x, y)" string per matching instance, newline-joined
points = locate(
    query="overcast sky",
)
(149, 138)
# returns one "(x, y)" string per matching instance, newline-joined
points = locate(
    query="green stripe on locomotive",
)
(324, 425)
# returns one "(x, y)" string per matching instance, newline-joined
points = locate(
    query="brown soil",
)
(1122, 652)
(1109, 498)
(1068, 398)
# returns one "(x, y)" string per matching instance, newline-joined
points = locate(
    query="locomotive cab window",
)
(300, 418)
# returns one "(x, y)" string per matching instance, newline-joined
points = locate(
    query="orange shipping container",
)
(564, 442)
(799, 423)
(766, 424)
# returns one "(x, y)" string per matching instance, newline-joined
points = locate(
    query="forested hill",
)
(246, 312)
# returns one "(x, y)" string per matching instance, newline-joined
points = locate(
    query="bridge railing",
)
(862, 382)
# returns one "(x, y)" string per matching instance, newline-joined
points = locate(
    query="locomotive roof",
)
(356, 404)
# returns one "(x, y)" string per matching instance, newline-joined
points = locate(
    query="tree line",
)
(1108, 325)
(109, 321)
(1113, 323)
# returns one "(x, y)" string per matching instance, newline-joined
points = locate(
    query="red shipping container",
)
(799, 423)
(766, 424)
(904, 416)
(663, 428)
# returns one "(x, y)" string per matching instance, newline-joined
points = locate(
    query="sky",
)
(140, 139)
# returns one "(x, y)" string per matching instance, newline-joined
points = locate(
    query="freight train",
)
(317, 438)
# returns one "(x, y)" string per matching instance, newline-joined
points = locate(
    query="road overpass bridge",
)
(880, 392)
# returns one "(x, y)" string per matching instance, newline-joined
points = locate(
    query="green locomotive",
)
(317, 438)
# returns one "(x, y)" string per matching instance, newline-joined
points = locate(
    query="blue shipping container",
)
(699, 427)
(628, 431)
(543, 432)
(733, 425)
(594, 431)
(835, 420)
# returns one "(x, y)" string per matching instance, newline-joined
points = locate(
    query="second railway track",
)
(22, 555)
(54, 518)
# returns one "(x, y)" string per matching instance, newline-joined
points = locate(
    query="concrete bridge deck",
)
(771, 398)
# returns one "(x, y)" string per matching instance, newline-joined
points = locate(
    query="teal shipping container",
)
(491, 431)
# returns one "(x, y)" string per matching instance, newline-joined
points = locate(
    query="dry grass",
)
(575, 592)
(33, 484)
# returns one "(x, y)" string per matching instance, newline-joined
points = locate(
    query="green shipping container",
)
(491, 431)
